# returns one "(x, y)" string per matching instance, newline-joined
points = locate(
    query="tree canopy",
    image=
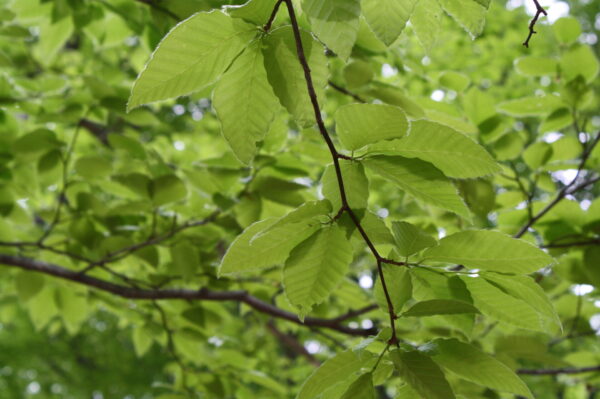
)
(310, 199)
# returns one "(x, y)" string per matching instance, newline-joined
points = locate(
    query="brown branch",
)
(267, 26)
(292, 344)
(346, 92)
(136, 293)
(539, 10)
(336, 163)
(566, 370)
(568, 189)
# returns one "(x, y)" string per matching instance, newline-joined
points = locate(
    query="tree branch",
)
(336, 163)
(539, 11)
(566, 370)
(136, 293)
(346, 92)
(292, 344)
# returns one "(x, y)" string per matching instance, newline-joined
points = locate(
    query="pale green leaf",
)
(191, 56)
(356, 187)
(93, 167)
(530, 106)
(315, 267)
(499, 305)
(566, 29)
(335, 373)
(456, 81)
(335, 22)
(425, 20)
(476, 366)
(287, 76)
(399, 285)
(255, 11)
(537, 154)
(421, 180)
(422, 374)
(245, 119)
(489, 250)
(439, 306)
(452, 152)
(362, 388)
(387, 18)
(468, 14)
(360, 124)
(410, 239)
(536, 66)
(579, 60)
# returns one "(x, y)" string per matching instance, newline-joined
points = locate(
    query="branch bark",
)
(202, 294)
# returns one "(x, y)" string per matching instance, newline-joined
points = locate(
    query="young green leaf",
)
(255, 11)
(356, 188)
(245, 119)
(335, 374)
(190, 57)
(335, 22)
(489, 250)
(399, 287)
(470, 14)
(425, 20)
(566, 29)
(287, 76)
(362, 124)
(419, 179)
(450, 151)
(439, 306)
(315, 267)
(387, 18)
(476, 366)
(410, 239)
(362, 388)
(422, 374)
(166, 189)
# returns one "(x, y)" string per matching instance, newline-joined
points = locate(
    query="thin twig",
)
(336, 157)
(346, 92)
(539, 10)
(267, 26)
(565, 370)
(292, 343)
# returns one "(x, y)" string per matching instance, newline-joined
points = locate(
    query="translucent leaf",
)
(191, 56)
(335, 373)
(499, 305)
(315, 267)
(439, 306)
(362, 388)
(422, 374)
(93, 167)
(556, 121)
(245, 119)
(387, 18)
(410, 239)
(450, 151)
(399, 287)
(362, 124)
(468, 14)
(358, 73)
(419, 179)
(476, 366)
(530, 106)
(425, 20)
(537, 154)
(579, 60)
(28, 285)
(455, 81)
(536, 66)
(287, 76)
(356, 185)
(142, 341)
(335, 22)
(489, 250)
(255, 11)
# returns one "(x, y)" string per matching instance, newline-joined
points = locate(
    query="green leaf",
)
(73, 307)
(469, 14)
(455, 81)
(362, 388)
(536, 66)
(287, 76)
(28, 285)
(38, 140)
(336, 372)
(399, 287)
(489, 250)
(425, 20)
(419, 179)
(361, 124)
(255, 11)
(557, 120)
(387, 18)
(315, 267)
(93, 167)
(185, 259)
(357, 74)
(410, 239)
(579, 60)
(566, 29)
(335, 22)
(537, 154)
(190, 57)
(422, 374)
(356, 187)
(495, 303)
(476, 366)
(530, 106)
(142, 341)
(452, 152)
(245, 119)
(439, 306)
(166, 189)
